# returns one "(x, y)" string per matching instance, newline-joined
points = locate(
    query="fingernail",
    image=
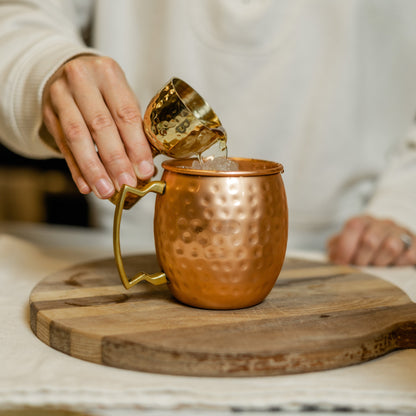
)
(83, 186)
(126, 179)
(144, 170)
(104, 188)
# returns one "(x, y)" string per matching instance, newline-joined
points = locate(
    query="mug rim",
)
(247, 167)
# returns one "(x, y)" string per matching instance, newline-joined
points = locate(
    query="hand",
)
(365, 241)
(92, 113)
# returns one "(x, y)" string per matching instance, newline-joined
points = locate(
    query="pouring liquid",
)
(218, 160)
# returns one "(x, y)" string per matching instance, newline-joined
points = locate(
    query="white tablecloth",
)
(35, 375)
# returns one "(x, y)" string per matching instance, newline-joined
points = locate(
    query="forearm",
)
(36, 38)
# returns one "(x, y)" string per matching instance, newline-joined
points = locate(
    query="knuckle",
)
(114, 158)
(355, 223)
(76, 68)
(73, 132)
(81, 67)
(128, 114)
(55, 87)
(99, 122)
(392, 246)
(108, 65)
(369, 241)
(91, 169)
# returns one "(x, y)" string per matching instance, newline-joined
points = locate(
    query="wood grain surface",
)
(318, 316)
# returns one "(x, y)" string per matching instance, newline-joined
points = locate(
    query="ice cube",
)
(222, 164)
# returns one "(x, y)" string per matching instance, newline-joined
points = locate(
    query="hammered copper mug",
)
(220, 237)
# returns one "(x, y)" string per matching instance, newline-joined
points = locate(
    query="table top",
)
(35, 375)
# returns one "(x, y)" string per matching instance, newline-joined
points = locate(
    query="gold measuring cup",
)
(220, 236)
(178, 123)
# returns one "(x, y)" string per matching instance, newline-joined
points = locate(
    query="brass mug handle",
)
(155, 278)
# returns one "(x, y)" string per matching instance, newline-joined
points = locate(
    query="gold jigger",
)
(220, 237)
(178, 123)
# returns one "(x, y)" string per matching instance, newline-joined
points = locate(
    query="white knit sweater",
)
(326, 87)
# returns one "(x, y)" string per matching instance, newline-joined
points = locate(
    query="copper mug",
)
(220, 237)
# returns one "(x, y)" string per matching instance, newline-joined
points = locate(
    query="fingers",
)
(369, 241)
(100, 132)
(342, 249)
(378, 244)
(54, 127)
(387, 251)
(89, 107)
(125, 111)
(78, 142)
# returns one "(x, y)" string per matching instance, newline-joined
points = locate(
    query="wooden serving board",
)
(318, 316)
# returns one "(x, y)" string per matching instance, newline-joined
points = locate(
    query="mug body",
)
(221, 236)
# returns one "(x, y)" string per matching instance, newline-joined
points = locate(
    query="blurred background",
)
(39, 191)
